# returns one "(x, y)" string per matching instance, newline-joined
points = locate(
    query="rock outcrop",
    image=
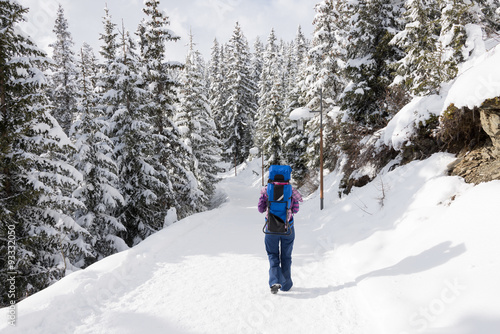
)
(482, 164)
(490, 120)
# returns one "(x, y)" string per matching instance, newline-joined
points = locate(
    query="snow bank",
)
(477, 83)
(403, 125)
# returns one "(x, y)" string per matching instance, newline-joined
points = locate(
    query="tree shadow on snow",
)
(428, 259)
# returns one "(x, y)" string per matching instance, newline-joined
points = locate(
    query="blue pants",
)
(280, 260)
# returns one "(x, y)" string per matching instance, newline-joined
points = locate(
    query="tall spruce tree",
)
(324, 70)
(198, 130)
(63, 87)
(94, 160)
(295, 138)
(489, 16)
(35, 181)
(216, 90)
(369, 59)
(141, 174)
(240, 105)
(271, 113)
(257, 62)
(420, 70)
(160, 83)
(455, 15)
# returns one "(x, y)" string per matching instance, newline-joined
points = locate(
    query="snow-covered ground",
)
(414, 251)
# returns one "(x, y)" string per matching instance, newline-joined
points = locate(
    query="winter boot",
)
(275, 288)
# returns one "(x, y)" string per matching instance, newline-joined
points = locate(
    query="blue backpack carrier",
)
(279, 201)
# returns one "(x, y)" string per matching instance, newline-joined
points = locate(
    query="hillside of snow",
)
(414, 251)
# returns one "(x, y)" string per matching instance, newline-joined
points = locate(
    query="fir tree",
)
(35, 181)
(324, 72)
(194, 121)
(369, 60)
(295, 138)
(216, 88)
(110, 44)
(94, 160)
(489, 16)
(257, 61)
(63, 79)
(141, 174)
(240, 104)
(420, 70)
(455, 15)
(271, 114)
(161, 84)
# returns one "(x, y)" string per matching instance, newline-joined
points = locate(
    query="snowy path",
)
(206, 274)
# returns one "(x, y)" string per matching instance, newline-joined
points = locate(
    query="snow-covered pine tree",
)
(93, 159)
(256, 64)
(324, 70)
(62, 88)
(327, 54)
(220, 118)
(160, 83)
(141, 174)
(197, 127)
(271, 113)
(455, 15)
(35, 183)
(286, 60)
(109, 47)
(257, 61)
(216, 90)
(369, 59)
(240, 104)
(490, 16)
(295, 138)
(420, 70)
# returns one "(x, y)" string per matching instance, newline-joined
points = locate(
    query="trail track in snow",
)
(205, 274)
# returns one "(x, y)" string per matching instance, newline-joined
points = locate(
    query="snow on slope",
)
(412, 252)
(478, 79)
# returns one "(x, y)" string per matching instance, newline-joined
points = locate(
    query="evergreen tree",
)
(216, 88)
(271, 113)
(455, 15)
(489, 16)
(63, 79)
(370, 57)
(420, 70)
(94, 160)
(324, 72)
(257, 61)
(256, 64)
(295, 138)
(195, 122)
(35, 181)
(160, 83)
(240, 104)
(327, 54)
(141, 174)
(110, 44)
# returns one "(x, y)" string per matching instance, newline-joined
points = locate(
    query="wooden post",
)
(321, 149)
(262, 153)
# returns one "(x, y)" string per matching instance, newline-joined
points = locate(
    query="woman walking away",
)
(280, 201)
